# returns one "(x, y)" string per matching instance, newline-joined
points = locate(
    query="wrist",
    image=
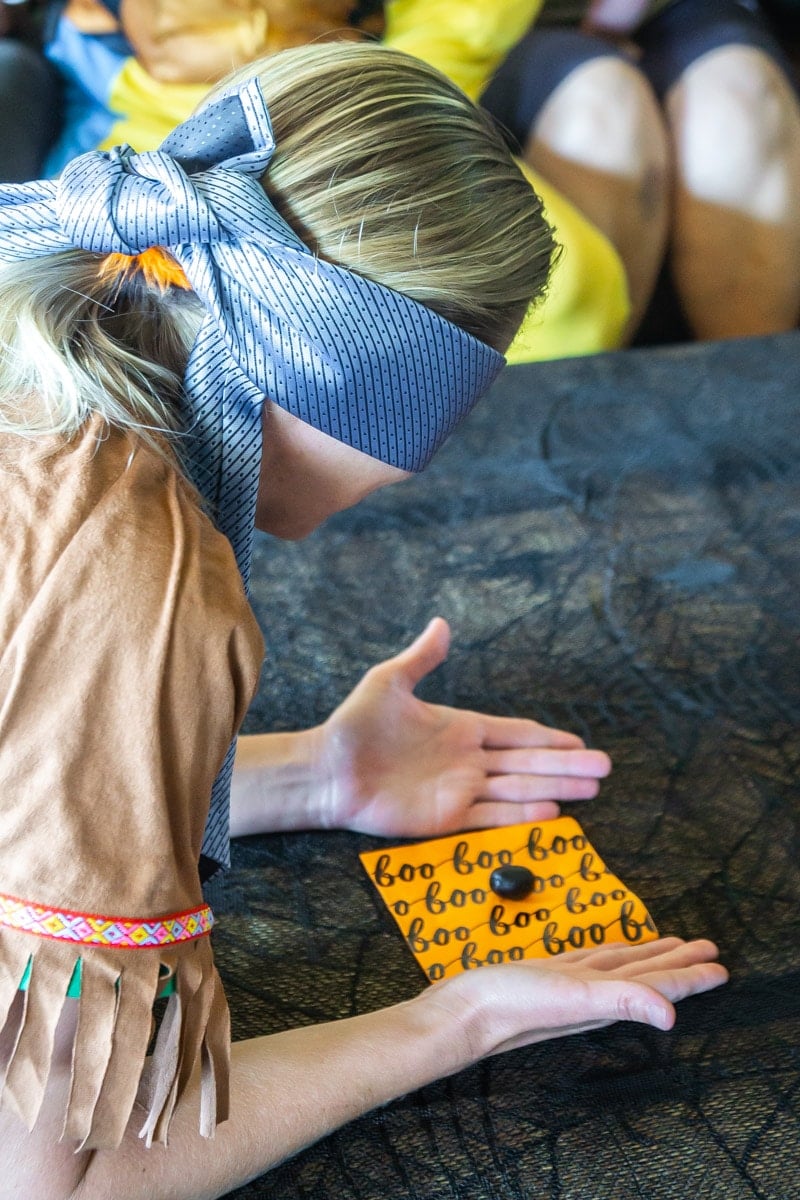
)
(444, 1026)
(459, 1021)
(491, 1009)
(278, 783)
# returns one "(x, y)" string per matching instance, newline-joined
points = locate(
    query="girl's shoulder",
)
(102, 511)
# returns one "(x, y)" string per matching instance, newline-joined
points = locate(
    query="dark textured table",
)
(616, 542)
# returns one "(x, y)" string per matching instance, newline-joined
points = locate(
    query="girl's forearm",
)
(292, 1088)
(276, 784)
(287, 1091)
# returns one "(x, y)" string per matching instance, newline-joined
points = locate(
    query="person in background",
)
(674, 126)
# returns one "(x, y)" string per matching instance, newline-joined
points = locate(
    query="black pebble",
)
(512, 883)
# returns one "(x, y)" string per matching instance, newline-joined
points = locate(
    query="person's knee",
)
(604, 116)
(601, 140)
(735, 123)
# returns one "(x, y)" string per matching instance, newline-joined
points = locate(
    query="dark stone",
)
(512, 883)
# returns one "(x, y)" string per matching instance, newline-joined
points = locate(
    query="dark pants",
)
(30, 101)
(669, 43)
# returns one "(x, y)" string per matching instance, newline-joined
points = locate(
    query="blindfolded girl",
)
(290, 304)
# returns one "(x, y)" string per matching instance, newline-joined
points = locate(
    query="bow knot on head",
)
(124, 203)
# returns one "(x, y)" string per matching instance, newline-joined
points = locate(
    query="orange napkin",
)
(440, 895)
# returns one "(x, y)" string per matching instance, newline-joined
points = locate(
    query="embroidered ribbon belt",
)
(94, 929)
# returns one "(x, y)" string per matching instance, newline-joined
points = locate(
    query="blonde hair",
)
(381, 165)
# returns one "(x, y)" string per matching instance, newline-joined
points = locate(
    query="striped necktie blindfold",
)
(354, 359)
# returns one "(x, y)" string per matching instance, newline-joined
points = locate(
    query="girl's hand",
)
(499, 1008)
(394, 765)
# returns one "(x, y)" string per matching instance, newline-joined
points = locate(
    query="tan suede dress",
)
(128, 656)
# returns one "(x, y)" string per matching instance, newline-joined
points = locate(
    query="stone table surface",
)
(616, 543)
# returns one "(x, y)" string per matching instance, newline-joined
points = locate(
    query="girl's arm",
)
(295, 1087)
(390, 764)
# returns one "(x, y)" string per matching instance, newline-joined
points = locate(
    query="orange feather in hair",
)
(157, 266)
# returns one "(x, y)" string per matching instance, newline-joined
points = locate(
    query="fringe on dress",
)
(114, 1030)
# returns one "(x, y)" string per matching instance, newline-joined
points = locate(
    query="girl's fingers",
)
(489, 815)
(617, 955)
(589, 997)
(424, 654)
(622, 960)
(685, 954)
(648, 998)
(678, 983)
(507, 733)
(526, 788)
(548, 760)
(588, 989)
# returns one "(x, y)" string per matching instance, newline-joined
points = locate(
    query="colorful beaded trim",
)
(91, 929)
